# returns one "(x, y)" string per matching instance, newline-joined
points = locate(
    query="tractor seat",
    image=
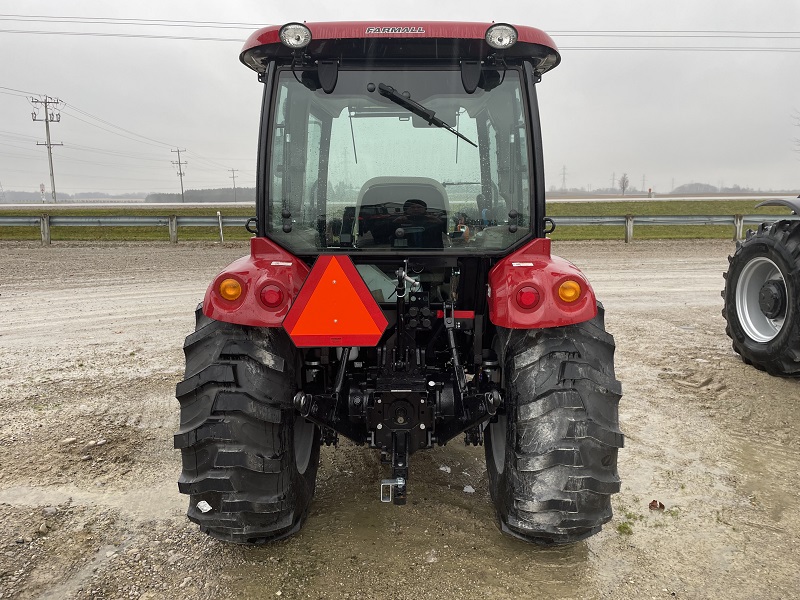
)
(383, 206)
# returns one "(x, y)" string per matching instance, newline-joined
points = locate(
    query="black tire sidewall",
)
(498, 479)
(763, 247)
(304, 483)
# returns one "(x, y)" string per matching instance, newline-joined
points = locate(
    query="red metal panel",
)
(398, 29)
(335, 308)
(457, 314)
(267, 264)
(532, 265)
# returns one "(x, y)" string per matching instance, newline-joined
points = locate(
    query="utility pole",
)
(643, 176)
(51, 115)
(233, 176)
(180, 169)
(564, 178)
(613, 180)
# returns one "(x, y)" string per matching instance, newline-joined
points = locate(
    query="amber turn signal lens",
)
(230, 289)
(569, 291)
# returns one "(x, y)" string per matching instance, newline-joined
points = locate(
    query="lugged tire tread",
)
(560, 478)
(780, 357)
(235, 434)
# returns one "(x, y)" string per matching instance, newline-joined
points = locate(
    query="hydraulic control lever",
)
(450, 325)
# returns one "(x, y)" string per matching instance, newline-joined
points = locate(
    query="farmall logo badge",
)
(395, 30)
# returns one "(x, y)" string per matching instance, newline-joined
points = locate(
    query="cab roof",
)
(401, 41)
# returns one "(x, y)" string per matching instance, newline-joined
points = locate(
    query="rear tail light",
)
(528, 297)
(271, 296)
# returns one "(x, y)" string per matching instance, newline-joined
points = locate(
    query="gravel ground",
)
(90, 352)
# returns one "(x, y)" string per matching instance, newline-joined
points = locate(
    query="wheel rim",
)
(497, 433)
(304, 437)
(755, 274)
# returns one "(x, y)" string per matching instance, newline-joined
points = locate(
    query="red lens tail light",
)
(271, 296)
(528, 297)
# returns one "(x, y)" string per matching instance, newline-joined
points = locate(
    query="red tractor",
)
(400, 290)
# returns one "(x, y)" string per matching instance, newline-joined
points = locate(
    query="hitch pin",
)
(387, 488)
(414, 283)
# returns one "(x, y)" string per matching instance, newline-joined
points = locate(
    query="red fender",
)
(267, 265)
(532, 271)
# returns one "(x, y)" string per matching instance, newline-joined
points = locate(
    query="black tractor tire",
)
(249, 459)
(762, 298)
(552, 454)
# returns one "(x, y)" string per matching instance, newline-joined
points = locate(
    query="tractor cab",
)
(359, 119)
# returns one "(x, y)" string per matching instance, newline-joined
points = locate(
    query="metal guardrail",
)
(173, 222)
(737, 221)
(120, 221)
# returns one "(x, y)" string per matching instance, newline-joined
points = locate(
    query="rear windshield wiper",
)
(414, 107)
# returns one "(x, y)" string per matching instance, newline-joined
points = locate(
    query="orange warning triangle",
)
(334, 308)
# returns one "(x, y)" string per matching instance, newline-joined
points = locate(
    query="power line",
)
(91, 116)
(142, 141)
(569, 48)
(102, 164)
(14, 92)
(15, 134)
(620, 34)
(29, 153)
(122, 21)
(185, 23)
(125, 35)
(668, 32)
(115, 131)
(94, 150)
(16, 154)
(679, 48)
(207, 160)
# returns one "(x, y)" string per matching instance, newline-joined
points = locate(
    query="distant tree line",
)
(195, 196)
(12, 196)
(211, 196)
(623, 185)
(705, 188)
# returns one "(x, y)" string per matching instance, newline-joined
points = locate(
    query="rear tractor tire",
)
(249, 459)
(762, 298)
(552, 454)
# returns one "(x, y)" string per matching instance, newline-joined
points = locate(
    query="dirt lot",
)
(90, 352)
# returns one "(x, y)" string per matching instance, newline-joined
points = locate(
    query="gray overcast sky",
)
(721, 117)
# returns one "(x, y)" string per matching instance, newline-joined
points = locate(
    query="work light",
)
(501, 36)
(295, 35)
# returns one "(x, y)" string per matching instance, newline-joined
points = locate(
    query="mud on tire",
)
(762, 298)
(552, 455)
(249, 460)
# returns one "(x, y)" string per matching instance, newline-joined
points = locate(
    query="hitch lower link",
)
(394, 489)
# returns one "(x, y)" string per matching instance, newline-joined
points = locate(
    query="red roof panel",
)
(398, 29)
